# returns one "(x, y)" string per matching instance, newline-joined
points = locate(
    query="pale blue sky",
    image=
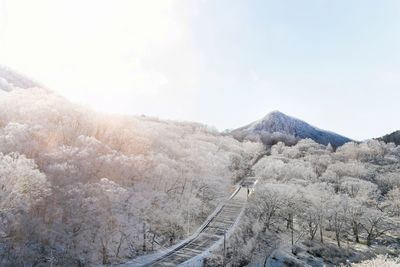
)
(334, 64)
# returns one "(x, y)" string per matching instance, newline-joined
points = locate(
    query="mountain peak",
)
(275, 114)
(279, 124)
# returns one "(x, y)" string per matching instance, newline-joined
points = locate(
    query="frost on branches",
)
(79, 188)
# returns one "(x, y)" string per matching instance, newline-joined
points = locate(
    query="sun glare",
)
(119, 48)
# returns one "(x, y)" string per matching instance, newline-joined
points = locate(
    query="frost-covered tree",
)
(375, 223)
(266, 202)
(22, 185)
(392, 202)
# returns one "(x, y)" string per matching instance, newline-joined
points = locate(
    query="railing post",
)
(224, 262)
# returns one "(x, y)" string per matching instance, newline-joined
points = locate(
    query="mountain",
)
(10, 80)
(277, 126)
(391, 138)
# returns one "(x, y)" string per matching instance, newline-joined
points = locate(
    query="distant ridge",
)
(391, 138)
(277, 126)
(10, 80)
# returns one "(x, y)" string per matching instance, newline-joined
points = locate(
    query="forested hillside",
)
(81, 188)
(313, 205)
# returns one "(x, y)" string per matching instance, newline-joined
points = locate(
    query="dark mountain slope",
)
(391, 138)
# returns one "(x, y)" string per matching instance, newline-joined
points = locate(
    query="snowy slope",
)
(10, 80)
(278, 123)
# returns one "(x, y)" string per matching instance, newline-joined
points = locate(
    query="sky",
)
(226, 63)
